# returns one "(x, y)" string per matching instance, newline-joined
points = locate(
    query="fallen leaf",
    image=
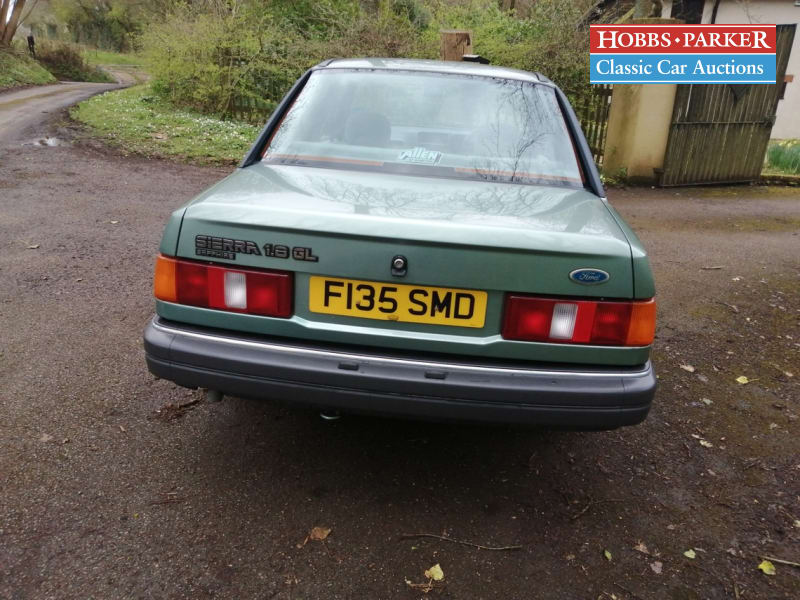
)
(766, 567)
(706, 401)
(640, 547)
(742, 379)
(690, 553)
(688, 368)
(773, 425)
(706, 444)
(797, 523)
(607, 554)
(33, 246)
(46, 437)
(435, 573)
(319, 533)
(657, 566)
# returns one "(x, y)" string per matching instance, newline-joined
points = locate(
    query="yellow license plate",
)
(397, 302)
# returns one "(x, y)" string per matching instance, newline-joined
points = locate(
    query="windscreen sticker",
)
(420, 156)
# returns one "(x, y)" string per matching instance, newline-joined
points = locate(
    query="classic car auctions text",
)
(682, 53)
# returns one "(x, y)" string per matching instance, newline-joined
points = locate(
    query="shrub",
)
(204, 62)
(213, 55)
(66, 62)
(552, 38)
(210, 60)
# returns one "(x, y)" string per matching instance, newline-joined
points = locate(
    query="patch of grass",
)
(783, 156)
(618, 177)
(18, 69)
(106, 57)
(138, 121)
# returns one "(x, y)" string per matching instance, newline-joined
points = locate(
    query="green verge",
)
(137, 121)
(783, 157)
(19, 69)
(104, 57)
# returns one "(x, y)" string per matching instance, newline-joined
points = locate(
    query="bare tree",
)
(10, 22)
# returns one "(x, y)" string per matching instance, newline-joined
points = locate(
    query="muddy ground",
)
(108, 494)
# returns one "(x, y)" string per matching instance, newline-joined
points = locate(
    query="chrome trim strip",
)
(332, 354)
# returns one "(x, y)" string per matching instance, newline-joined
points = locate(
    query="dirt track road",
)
(25, 108)
(108, 494)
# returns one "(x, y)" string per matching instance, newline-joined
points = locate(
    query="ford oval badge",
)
(589, 276)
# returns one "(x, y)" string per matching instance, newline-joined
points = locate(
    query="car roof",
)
(432, 66)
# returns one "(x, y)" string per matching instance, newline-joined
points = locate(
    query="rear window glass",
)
(428, 124)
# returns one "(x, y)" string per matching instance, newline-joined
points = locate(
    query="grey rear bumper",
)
(435, 389)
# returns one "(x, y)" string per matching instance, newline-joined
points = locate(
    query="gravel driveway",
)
(115, 485)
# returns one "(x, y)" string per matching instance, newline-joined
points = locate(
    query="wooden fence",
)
(720, 132)
(255, 111)
(592, 111)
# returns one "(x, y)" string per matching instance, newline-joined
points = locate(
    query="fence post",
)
(455, 44)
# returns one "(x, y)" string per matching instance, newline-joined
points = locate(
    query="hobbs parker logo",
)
(682, 53)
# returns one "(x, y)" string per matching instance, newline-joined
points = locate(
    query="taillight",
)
(533, 319)
(224, 288)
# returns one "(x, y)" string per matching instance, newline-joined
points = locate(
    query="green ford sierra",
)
(415, 239)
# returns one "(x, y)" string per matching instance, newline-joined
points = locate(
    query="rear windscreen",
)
(428, 124)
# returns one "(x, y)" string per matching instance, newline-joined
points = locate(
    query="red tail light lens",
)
(191, 283)
(248, 291)
(533, 319)
(611, 321)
